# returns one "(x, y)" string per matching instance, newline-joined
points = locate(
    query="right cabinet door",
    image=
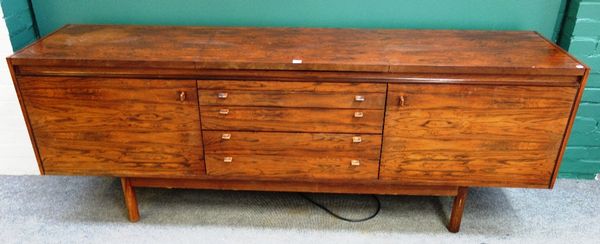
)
(474, 135)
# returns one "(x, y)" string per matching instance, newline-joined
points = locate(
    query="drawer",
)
(267, 155)
(292, 94)
(292, 119)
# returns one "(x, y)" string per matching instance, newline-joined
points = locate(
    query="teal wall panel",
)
(17, 16)
(539, 15)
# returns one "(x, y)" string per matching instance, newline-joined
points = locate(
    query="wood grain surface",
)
(292, 94)
(117, 127)
(417, 51)
(299, 185)
(303, 76)
(291, 155)
(474, 135)
(291, 119)
(281, 86)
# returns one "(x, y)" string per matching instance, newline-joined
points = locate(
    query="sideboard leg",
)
(457, 209)
(130, 200)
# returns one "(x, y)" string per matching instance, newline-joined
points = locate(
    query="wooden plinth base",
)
(128, 184)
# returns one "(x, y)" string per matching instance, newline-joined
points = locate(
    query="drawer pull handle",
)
(224, 111)
(222, 95)
(227, 159)
(401, 101)
(359, 98)
(354, 162)
(182, 96)
(358, 115)
(226, 136)
(356, 139)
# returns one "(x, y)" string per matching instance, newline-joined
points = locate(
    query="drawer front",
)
(474, 135)
(116, 127)
(263, 155)
(292, 119)
(292, 94)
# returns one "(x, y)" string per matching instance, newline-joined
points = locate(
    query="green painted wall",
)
(540, 15)
(581, 36)
(17, 16)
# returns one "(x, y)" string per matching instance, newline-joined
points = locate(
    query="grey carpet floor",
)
(49, 209)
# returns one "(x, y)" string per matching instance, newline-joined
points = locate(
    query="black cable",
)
(340, 217)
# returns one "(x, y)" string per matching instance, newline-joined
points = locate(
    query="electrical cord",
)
(337, 216)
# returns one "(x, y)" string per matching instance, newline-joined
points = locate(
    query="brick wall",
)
(581, 37)
(19, 22)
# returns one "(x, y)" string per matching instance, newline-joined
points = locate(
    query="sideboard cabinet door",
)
(117, 127)
(474, 135)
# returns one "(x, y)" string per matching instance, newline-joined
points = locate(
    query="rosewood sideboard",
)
(415, 112)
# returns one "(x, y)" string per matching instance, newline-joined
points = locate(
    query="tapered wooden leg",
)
(130, 200)
(457, 209)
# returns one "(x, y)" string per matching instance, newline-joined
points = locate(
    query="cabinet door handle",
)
(355, 162)
(222, 95)
(358, 115)
(401, 101)
(356, 139)
(224, 111)
(359, 98)
(226, 136)
(227, 159)
(182, 96)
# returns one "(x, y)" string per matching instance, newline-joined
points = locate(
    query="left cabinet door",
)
(115, 127)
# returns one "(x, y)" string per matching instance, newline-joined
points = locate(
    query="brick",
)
(590, 110)
(593, 79)
(585, 124)
(11, 7)
(586, 27)
(589, 10)
(592, 61)
(576, 175)
(583, 153)
(582, 139)
(585, 132)
(23, 39)
(591, 95)
(584, 46)
(18, 23)
(578, 139)
(580, 166)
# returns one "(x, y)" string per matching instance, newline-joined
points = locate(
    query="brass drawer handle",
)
(222, 95)
(224, 111)
(358, 115)
(226, 136)
(182, 96)
(355, 162)
(401, 101)
(227, 159)
(359, 98)
(356, 139)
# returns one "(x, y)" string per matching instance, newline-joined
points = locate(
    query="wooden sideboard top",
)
(319, 49)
